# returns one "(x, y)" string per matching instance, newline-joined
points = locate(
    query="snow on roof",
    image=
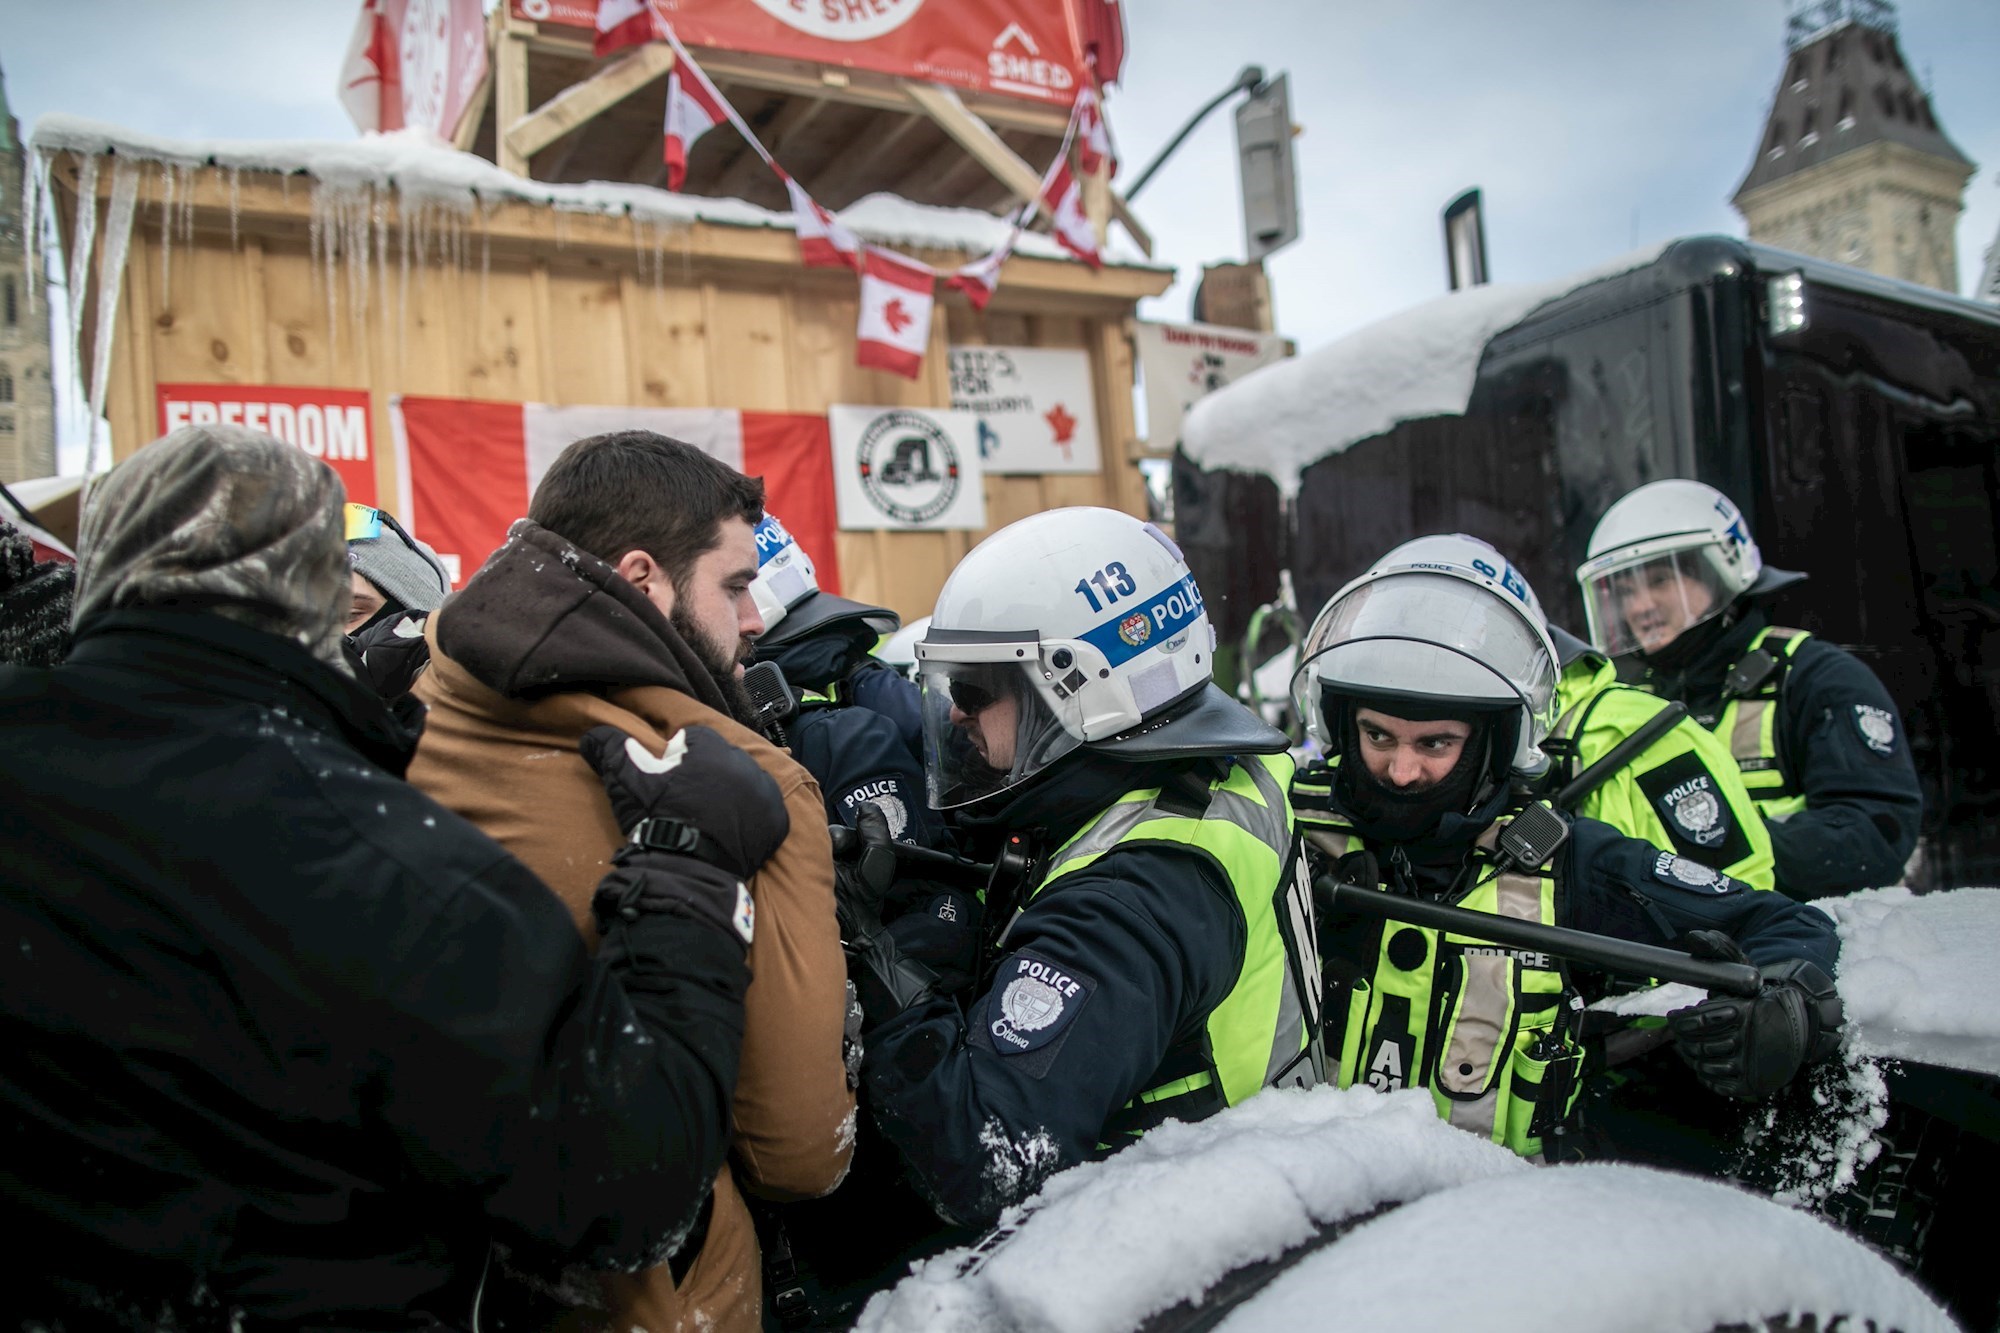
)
(1609, 1248)
(1419, 363)
(421, 167)
(1916, 975)
(1107, 1244)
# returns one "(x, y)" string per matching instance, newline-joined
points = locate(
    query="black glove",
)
(939, 927)
(704, 798)
(888, 981)
(1750, 1048)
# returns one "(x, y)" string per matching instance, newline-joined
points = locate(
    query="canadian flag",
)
(978, 279)
(623, 23)
(1093, 136)
(465, 468)
(895, 326)
(824, 241)
(1067, 219)
(693, 109)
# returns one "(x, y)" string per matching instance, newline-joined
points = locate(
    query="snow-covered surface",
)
(1420, 363)
(422, 168)
(1108, 1244)
(1653, 1001)
(1605, 1248)
(1917, 974)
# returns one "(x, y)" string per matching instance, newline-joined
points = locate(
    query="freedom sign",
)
(1018, 48)
(333, 425)
(1035, 406)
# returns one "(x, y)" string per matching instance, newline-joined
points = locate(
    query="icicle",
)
(166, 235)
(31, 221)
(79, 258)
(380, 210)
(235, 203)
(110, 280)
(188, 172)
(485, 258)
(403, 289)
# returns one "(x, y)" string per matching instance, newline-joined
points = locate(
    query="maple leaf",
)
(895, 316)
(1062, 423)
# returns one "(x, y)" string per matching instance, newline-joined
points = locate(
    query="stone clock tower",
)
(1853, 165)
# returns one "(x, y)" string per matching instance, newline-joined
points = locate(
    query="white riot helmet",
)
(1081, 624)
(787, 592)
(899, 650)
(1667, 557)
(1444, 636)
(1456, 552)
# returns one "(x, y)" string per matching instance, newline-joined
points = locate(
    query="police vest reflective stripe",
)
(1263, 1032)
(1750, 726)
(1483, 1027)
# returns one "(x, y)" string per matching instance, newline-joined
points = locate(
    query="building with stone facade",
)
(27, 398)
(1853, 165)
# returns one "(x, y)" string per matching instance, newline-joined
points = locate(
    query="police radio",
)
(773, 701)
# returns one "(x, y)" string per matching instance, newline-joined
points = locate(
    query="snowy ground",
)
(1917, 975)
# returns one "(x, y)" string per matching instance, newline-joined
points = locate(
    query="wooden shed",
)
(398, 269)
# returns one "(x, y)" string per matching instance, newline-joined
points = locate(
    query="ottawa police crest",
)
(1135, 629)
(1030, 1005)
(1877, 727)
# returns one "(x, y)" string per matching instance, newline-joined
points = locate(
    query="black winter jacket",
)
(288, 1042)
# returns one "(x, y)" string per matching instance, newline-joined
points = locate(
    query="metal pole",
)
(1623, 957)
(1249, 80)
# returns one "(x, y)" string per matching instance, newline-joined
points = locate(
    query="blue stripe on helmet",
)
(772, 539)
(1147, 622)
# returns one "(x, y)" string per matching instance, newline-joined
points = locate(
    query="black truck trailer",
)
(1854, 418)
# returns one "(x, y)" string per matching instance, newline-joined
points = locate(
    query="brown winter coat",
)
(543, 644)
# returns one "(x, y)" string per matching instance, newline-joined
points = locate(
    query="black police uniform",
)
(1841, 746)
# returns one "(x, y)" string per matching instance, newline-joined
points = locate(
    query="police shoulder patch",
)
(1681, 873)
(1034, 1002)
(1692, 810)
(1877, 727)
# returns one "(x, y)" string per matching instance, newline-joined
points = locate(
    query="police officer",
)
(1675, 581)
(1432, 689)
(858, 729)
(1682, 792)
(1144, 970)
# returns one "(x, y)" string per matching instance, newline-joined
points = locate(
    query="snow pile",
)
(1106, 1245)
(1420, 363)
(421, 168)
(1916, 975)
(1652, 1001)
(1822, 1153)
(1605, 1248)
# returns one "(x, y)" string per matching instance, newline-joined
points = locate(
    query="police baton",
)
(1621, 957)
(921, 862)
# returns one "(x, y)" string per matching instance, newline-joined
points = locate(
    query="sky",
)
(1592, 127)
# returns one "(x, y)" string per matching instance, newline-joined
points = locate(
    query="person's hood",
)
(543, 615)
(223, 520)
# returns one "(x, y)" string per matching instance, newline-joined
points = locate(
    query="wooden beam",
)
(528, 134)
(975, 136)
(842, 176)
(467, 129)
(510, 95)
(747, 169)
(1140, 236)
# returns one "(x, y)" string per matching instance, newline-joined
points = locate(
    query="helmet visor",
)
(1431, 639)
(1641, 603)
(986, 729)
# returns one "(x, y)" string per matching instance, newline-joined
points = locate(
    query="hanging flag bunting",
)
(824, 240)
(623, 23)
(895, 326)
(693, 109)
(978, 279)
(1093, 136)
(1069, 223)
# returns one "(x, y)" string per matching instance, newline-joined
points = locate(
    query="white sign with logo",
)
(1035, 406)
(1184, 362)
(906, 467)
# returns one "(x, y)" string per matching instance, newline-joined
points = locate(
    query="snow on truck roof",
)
(1419, 363)
(420, 167)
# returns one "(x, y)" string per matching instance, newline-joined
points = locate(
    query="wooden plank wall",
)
(590, 327)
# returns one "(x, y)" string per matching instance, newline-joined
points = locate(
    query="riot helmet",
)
(1075, 627)
(1669, 556)
(788, 596)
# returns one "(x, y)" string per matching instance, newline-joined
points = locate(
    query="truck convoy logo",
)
(842, 20)
(909, 467)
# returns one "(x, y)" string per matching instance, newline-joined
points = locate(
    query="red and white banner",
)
(897, 295)
(1093, 135)
(1020, 48)
(333, 425)
(413, 64)
(466, 468)
(693, 109)
(824, 240)
(623, 23)
(1067, 220)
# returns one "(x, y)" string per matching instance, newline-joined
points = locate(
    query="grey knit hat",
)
(405, 570)
(226, 520)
